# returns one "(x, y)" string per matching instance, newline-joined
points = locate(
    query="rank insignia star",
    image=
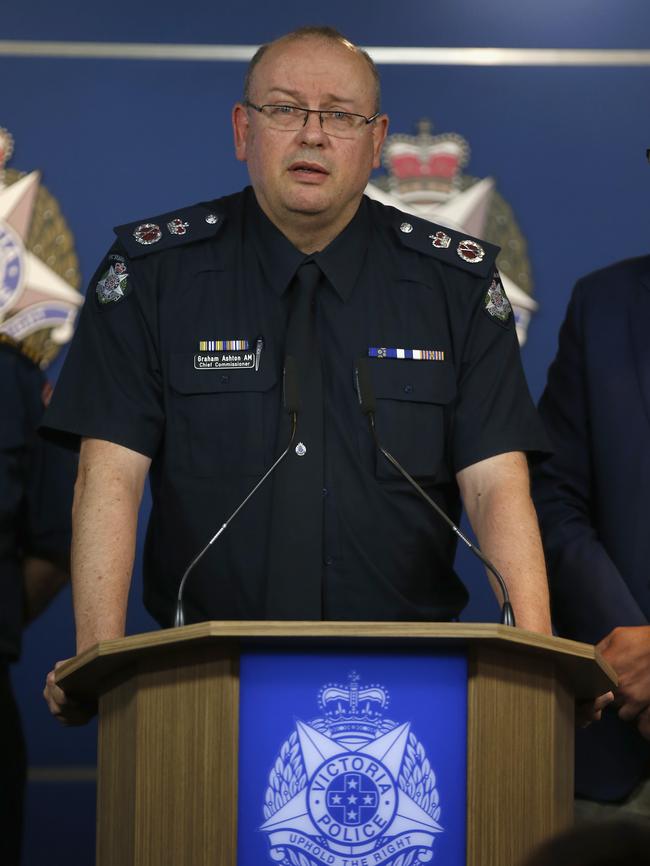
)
(470, 251)
(147, 233)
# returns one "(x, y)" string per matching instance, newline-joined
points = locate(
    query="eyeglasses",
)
(340, 124)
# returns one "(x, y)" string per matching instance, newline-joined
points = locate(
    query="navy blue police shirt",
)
(36, 482)
(211, 281)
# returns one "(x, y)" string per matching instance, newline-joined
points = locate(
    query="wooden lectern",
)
(169, 722)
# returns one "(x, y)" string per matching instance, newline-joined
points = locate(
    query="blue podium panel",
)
(352, 758)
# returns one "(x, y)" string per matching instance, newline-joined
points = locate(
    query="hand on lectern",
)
(591, 711)
(627, 649)
(64, 708)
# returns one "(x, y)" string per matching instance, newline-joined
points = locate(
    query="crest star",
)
(390, 748)
(40, 284)
(294, 815)
(316, 748)
(410, 816)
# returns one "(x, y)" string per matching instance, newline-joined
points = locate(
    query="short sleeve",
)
(494, 412)
(110, 385)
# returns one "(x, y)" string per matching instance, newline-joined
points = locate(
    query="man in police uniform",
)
(176, 371)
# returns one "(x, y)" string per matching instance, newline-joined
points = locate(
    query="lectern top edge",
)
(83, 673)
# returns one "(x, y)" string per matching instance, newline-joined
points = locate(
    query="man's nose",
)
(312, 129)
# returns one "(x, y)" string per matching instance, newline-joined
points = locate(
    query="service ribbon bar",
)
(223, 345)
(408, 354)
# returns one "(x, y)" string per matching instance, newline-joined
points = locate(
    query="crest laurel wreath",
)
(418, 780)
(288, 776)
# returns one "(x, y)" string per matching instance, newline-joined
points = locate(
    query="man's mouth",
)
(308, 168)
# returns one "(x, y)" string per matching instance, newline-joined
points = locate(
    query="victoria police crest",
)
(351, 787)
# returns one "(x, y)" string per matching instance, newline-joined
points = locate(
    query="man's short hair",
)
(329, 34)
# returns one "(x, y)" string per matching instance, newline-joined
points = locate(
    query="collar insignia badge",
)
(177, 227)
(440, 240)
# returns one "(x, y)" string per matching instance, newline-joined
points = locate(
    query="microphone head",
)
(363, 385)
(290, 389)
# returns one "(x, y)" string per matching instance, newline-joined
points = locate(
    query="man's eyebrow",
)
(329, 98)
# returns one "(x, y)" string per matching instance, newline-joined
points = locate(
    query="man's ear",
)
(240, 130)
(379, 133)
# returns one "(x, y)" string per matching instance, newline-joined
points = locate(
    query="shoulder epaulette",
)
(449, 246)
(186, 225)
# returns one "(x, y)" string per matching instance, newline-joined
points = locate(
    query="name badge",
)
(224, 361)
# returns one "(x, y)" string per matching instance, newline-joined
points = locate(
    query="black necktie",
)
(295, 550)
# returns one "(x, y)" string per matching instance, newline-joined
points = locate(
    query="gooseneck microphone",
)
(291, 402)
(368, 405)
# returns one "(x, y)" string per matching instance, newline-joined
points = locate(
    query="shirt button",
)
(408, 389)
(225, 379)
(328, 560)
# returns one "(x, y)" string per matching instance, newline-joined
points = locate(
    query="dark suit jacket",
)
(593, 496)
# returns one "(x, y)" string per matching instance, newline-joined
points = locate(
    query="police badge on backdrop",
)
(39, 272)
(424, 177)
(365, 769)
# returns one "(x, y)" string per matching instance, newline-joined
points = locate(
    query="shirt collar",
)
(340, 261)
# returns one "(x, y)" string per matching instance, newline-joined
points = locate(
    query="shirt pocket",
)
(411, 418)
(220, 418)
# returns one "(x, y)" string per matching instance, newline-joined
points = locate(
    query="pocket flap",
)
(413, 381)
(185, 379)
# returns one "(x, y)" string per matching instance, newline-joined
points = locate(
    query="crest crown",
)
(424, 167)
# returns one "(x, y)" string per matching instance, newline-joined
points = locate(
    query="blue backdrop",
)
(122, 139)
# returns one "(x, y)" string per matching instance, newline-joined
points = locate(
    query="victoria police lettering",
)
(352, 787)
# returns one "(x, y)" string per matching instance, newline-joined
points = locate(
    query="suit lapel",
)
(640, 328)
